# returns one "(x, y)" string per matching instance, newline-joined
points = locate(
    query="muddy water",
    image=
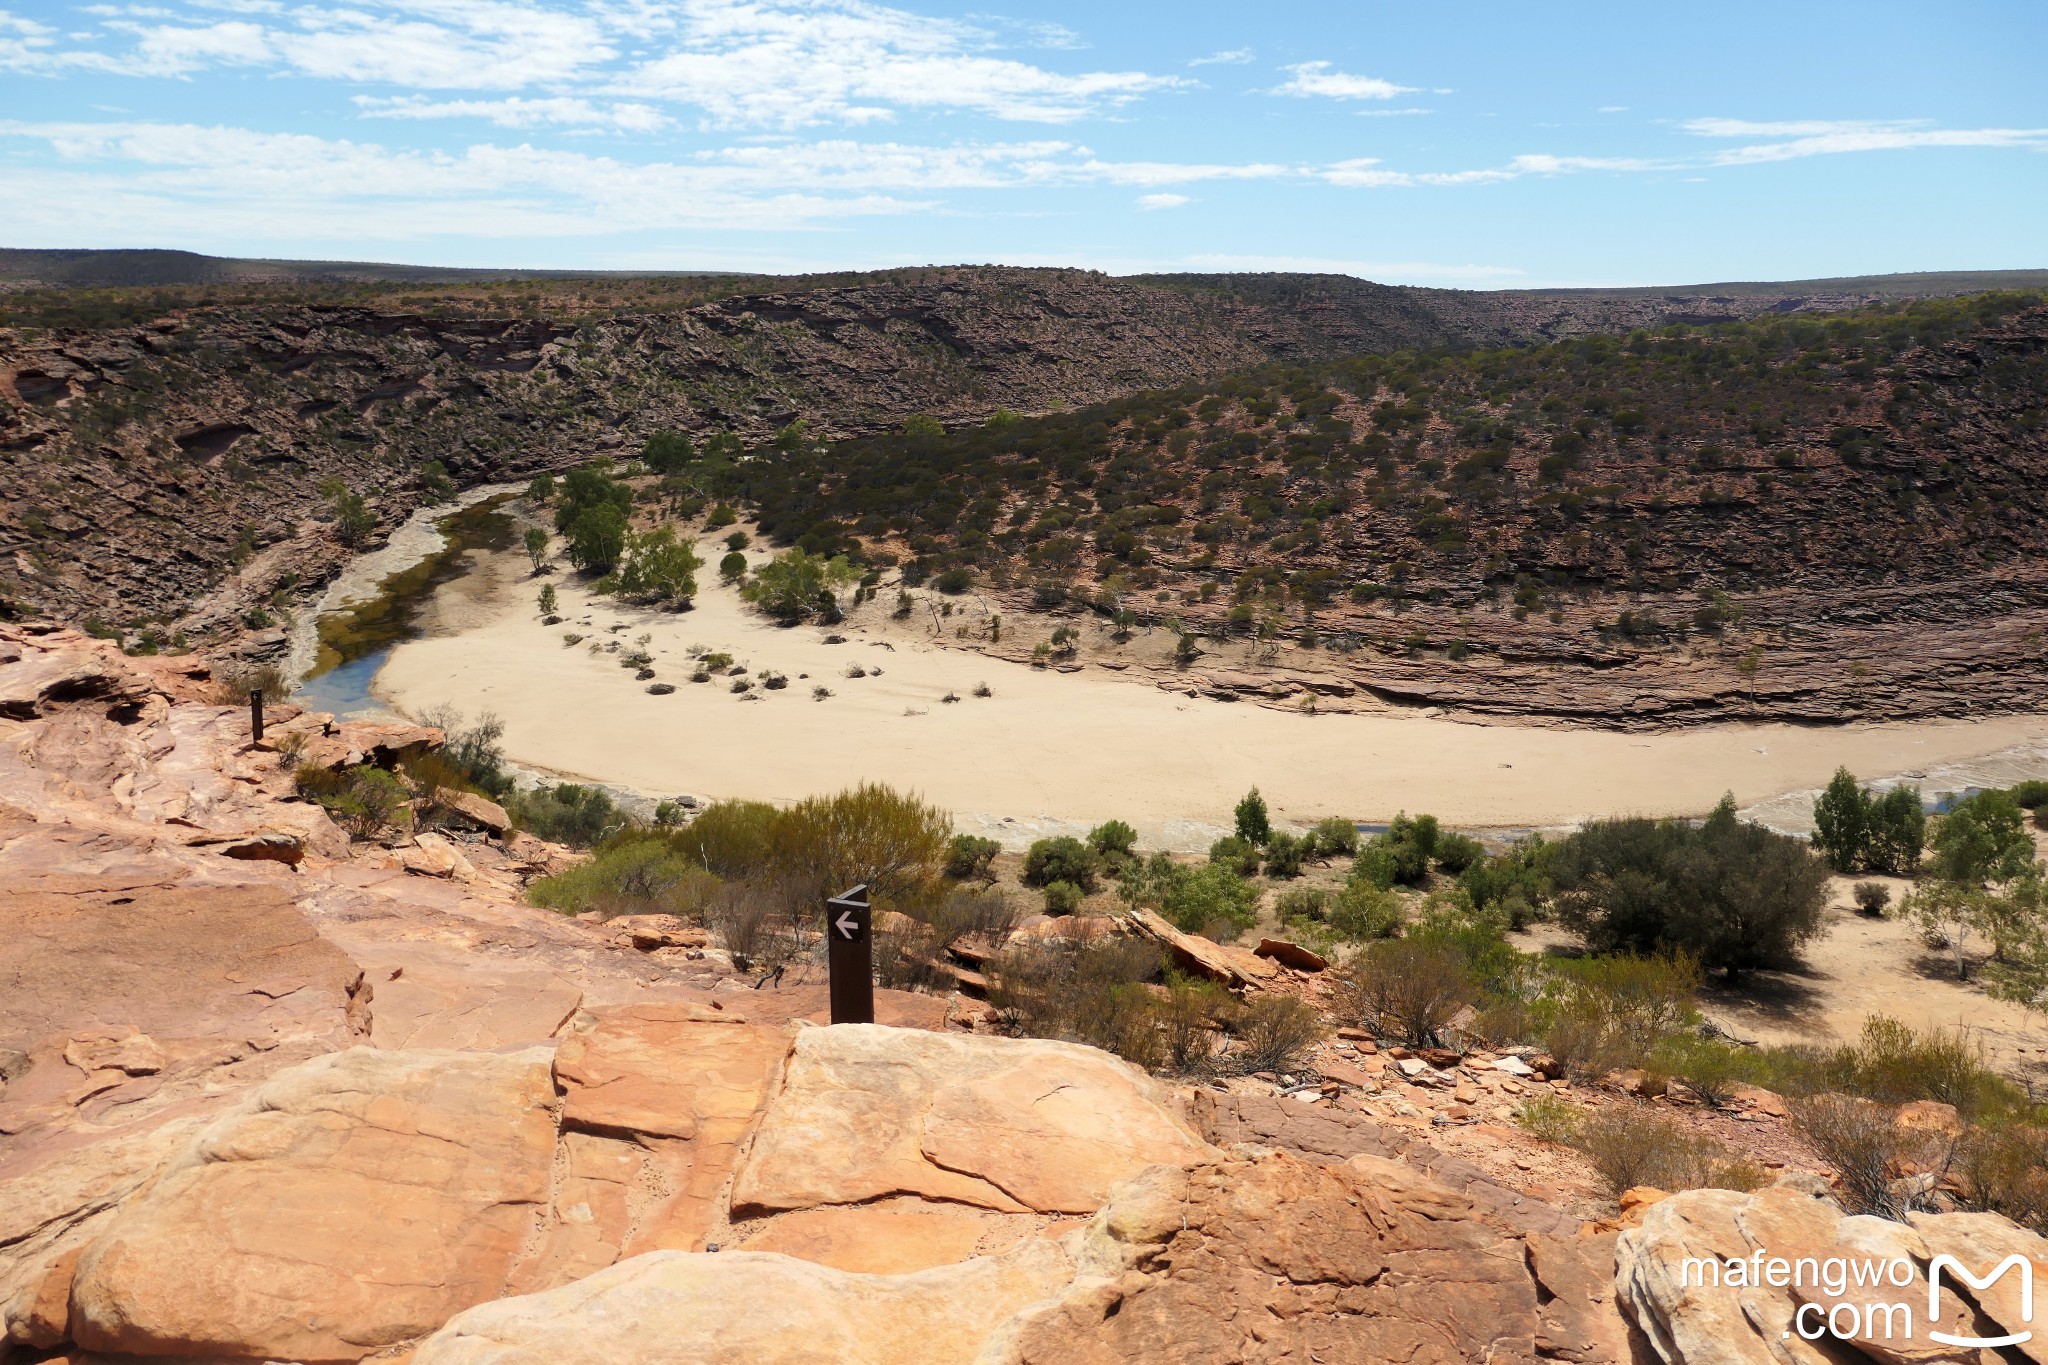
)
(377, 608)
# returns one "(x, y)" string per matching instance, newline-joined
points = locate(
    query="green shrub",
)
(1210, 899)
(1709, 1067)
(1113, 838)
(1285, 853)
(1871, 897)
(1731, 892)
(365, 800)
(565, 813)
(868, 834)
(1456, 853)
(1237, 854)
(1609, 1013)
(1550, 1118)
(1362, 911)
(970, 857)
(1307, 903)
(1514, 884)
(1061, 859)
(637, 872)
(1254, 823)
(1400, 856)
(1334, 837)
(1062, 898)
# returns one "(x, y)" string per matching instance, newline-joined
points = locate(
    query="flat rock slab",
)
(352, 1202)
(208, 976)
(751, 1308)
(894, 1236)
(865, 1111)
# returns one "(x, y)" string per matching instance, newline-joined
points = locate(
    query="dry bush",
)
(1190, 1021)
(1629, 1146)
(1884, 1168)
(1550, 1118)
(1093, 993)
(233, 684)
(2005, 1170)
(1406, 987)
(750, 927)
(1273, 1033)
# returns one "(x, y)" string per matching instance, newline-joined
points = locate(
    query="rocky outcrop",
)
(1675, 1282)
(355, 1201)
(992, 1122)
(1262, 1257)
(749, 1308)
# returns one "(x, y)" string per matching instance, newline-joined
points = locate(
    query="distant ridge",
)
(146, 268)
(84, 268)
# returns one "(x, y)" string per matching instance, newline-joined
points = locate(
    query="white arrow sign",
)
(848, 926)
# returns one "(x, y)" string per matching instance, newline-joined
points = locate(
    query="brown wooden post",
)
(850, 957)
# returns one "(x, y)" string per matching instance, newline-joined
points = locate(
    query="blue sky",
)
(1477, 145)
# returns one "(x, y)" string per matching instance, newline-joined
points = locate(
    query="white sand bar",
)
(1050, 748)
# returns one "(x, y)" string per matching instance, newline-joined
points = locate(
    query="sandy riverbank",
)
(1051, 750)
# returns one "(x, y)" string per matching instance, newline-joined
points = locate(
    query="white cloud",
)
(1825, 137)
(162, 180)
(1163, 201)
(759, 64)
(743, 63)
(519, 112)
(1389, 113)
(1313, 80)
(1368, 173)
(1236, 56)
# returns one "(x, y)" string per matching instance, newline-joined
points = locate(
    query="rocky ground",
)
(268, 1096)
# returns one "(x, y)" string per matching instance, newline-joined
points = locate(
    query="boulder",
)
(51, 1211)
(38, 679)
(649, 932)
(1981, 1241)
(1728, 1319)
(1235, 968)
(1261, 1256)
(657, 1099)
(477, 811)
(864, 1112)
(1290, 954)
(354, 1201)
(752, 1308)
(272, 846)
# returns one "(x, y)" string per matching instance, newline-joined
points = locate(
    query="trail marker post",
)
(255, 715)
(850, 957)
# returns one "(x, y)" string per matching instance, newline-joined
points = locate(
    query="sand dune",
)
(1051, 750)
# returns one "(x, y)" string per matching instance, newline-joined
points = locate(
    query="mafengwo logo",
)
(1857, 1317)
(2019, 1263)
